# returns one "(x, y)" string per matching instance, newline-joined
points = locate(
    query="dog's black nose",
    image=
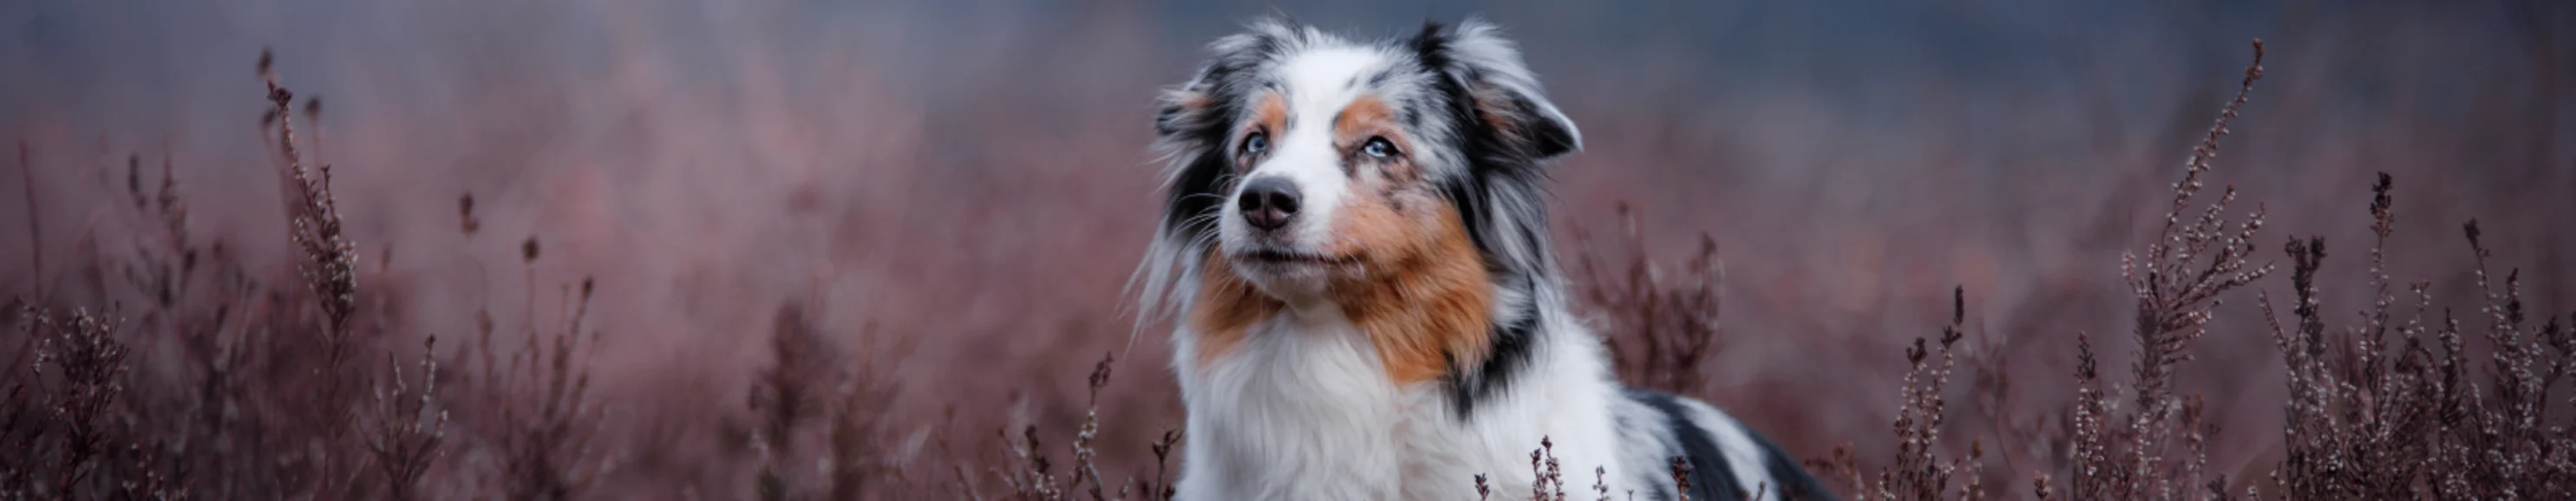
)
(1268, 202)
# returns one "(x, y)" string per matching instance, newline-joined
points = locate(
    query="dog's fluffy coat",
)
(1407, 329)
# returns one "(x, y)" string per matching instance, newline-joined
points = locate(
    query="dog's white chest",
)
(1304, 410)
(1297, 401)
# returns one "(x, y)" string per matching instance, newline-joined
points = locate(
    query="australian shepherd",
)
(1355, 250)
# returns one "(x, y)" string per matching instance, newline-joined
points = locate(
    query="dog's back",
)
(1722, 459)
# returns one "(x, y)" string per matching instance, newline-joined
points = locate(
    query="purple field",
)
(877, 250)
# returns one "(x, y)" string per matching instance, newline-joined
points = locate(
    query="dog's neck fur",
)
(1279, 397)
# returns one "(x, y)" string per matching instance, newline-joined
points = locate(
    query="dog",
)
(1354, 251)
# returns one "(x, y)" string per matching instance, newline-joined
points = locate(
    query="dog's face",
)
(1313, 164)
(1329, 176)
(1396, 181)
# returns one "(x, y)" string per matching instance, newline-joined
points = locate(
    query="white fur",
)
(1303, 410)
(1306, 156)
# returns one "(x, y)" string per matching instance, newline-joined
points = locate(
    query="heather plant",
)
(789, 393)
(329, 271)
(410, 425)
(2384, 409)
(64, 430)
(548, 420)
(2371, 416)
(816, 382)
(171, 366)
(1031, 474)
(1918, 471)
(267, 393)
(1547, 477)
(1661, 325)
(2156, 448)
(865, 459)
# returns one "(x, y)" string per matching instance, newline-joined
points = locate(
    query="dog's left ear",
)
(1497, 89)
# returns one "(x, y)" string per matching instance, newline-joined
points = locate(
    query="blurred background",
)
(954, 194)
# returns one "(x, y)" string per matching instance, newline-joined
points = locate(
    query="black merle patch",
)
(1514, 346)
(1795, 483)
(1711, 478)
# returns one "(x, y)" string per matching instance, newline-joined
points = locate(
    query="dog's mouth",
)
(1276, 257)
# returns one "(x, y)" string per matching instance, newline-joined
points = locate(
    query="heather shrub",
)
(168, 362)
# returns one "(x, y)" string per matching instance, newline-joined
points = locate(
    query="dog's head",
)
(1310, 170)
(1304, 161)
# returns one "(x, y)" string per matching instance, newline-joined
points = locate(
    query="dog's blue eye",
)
(1378, 147)
(1256, 143)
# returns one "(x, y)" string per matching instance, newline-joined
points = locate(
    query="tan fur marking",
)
(1422, 295)
(1492, 108)
(1226, 307)
(1420, 291)
(1368, 117)
(1197, 101)
(1271, 114)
